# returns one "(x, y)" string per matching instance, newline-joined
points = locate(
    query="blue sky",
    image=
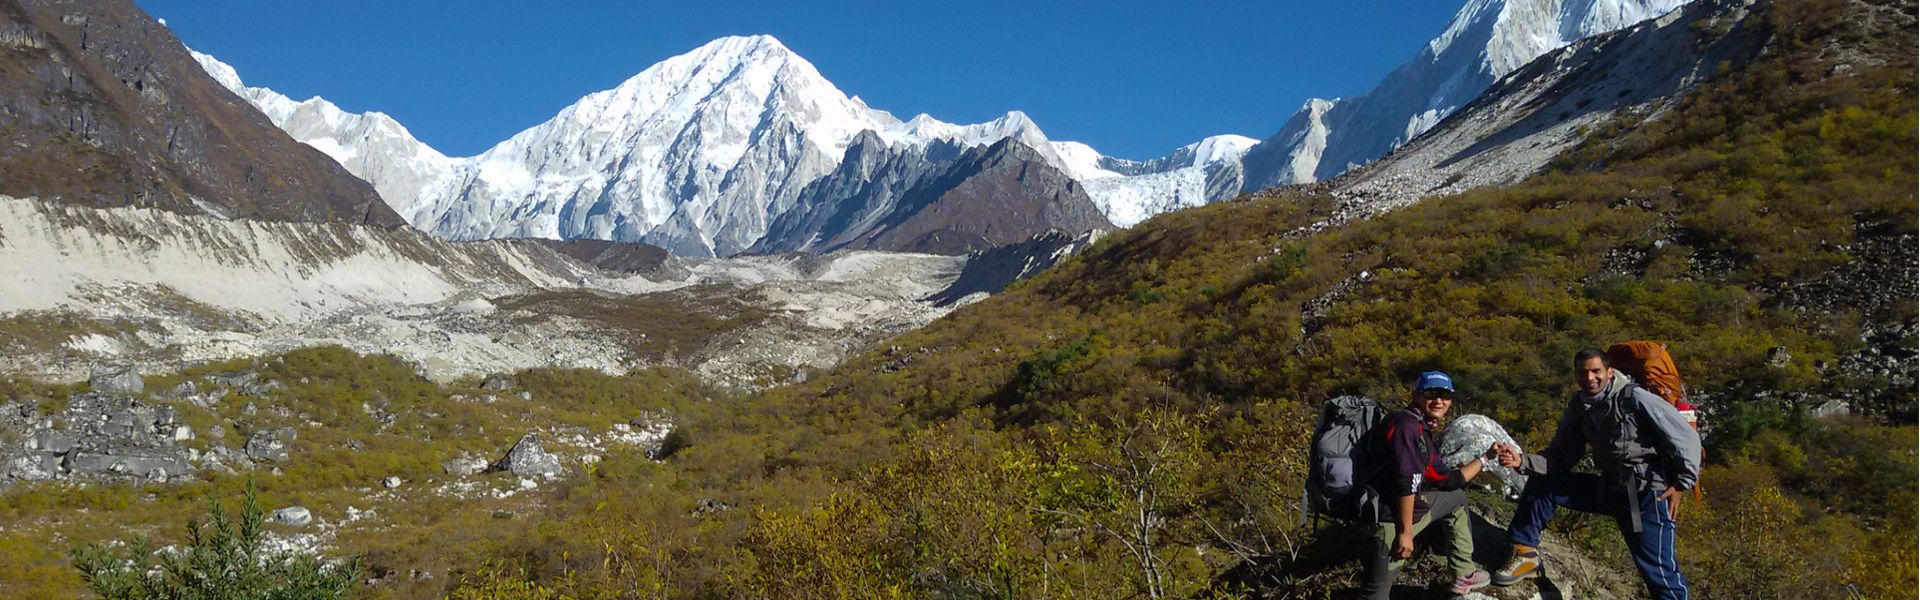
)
(1133, 79)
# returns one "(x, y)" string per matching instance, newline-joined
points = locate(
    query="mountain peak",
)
(736, 49)
(1486, 40)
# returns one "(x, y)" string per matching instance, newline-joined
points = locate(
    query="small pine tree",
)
(224, 559)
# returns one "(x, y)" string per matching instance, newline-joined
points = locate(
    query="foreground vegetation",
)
(1131, 423)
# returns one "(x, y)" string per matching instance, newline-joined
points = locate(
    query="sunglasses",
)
(1436, 394)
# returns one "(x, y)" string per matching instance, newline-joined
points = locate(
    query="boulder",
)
(116, 379)
(270, 445)
(51, 441)
(461, 467)
(293, 515)
(528, 459)
(37, 467)
(159, 467)
(497, 383)
(233, 380)
(1471, 435)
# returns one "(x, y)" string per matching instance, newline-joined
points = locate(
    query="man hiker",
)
(1647, 456)
(1418, 490)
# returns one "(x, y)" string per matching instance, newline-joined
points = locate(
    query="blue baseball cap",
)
(1434, 380)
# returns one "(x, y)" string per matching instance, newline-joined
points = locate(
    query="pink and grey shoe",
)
(1465, 584)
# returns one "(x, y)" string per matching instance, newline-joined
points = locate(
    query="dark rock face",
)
(991, 271)
(101, 106)
(936, 200)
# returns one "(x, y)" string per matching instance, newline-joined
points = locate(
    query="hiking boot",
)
(1525, 564)
(1464, 584)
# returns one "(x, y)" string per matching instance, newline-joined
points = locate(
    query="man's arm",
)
(1568, 446)
(1678, 442)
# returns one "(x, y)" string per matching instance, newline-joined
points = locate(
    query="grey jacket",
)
(1631, 431)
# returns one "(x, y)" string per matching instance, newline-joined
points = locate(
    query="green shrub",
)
(224, 559)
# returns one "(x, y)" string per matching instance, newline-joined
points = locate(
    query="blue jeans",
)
(1652, 546)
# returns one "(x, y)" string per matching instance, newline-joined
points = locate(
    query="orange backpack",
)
(1649, 365)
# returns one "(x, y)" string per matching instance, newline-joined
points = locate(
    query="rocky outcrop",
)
(116, 113)
(98, 436)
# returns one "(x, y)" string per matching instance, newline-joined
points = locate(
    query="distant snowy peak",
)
(371, 145)
(700, 153)
(1219, 148)
(740, 77)
(1486, 40)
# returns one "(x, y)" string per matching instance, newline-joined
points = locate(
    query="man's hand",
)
(1507, 455)
(1402, 546)
(1672, 496)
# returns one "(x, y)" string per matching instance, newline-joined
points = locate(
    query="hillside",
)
(1762, 225)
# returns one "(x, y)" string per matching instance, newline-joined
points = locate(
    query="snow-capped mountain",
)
(371, 145)
(699, 153)
(1486, 40)
(705, 152)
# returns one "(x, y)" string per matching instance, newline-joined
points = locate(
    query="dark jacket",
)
(1414, 464)
(1638, 440)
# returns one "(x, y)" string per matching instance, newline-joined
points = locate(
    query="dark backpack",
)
(1343, 459)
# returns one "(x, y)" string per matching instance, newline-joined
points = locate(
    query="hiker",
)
(1647, 455)
(1419, 492)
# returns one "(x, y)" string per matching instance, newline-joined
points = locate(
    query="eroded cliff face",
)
(161, 290)
(103, 107)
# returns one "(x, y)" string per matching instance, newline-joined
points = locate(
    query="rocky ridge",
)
(116, 113)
